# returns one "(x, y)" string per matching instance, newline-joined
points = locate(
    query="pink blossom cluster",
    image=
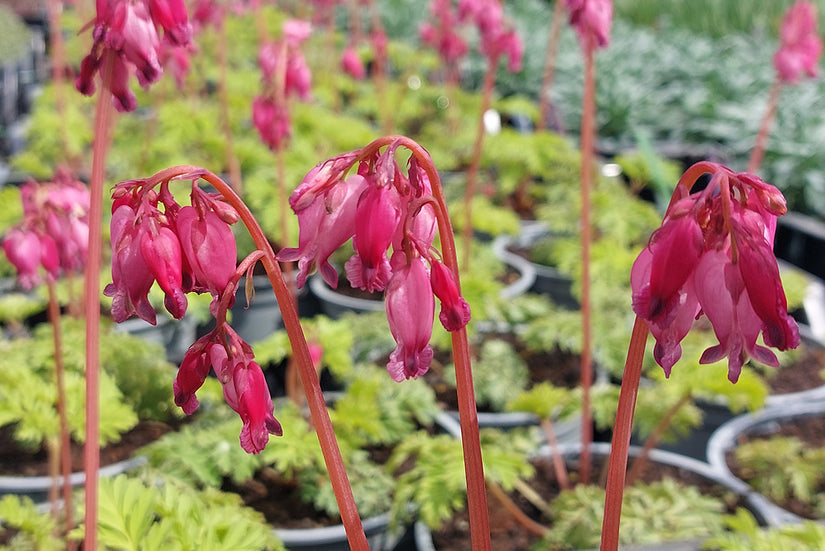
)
(713, 255)
(800, 46)
(285, 74)
(497, 36)
(126, 38)
(391, 220)
(441, 33)
(54, 233)
(189, 248)
(591, 20)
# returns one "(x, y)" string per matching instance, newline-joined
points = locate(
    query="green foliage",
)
(14, 36)
(138, 515)
(646, 169)
(653, 513)
(435, 483)
(375, 410)
(745, 534)
(487, 217)
(15, 307)
(28, 391)
(782, 468)
(23, 527)
(499, 374)
(334, 336)
(547, 401)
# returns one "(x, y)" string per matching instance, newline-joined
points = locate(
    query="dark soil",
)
(804, 374)
(15, 461)
(811, 431)
(509, 535)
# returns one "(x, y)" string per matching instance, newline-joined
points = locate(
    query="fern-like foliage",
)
(499, 374)
(782, 467)
(435, 483)
(24, 528)
(653, 513)
(745, 534)
(163, 513)
(547, 401)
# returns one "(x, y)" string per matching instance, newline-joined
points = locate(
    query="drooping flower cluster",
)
(189, 248)
(126, 38)
(285, 74)
(591, 20)
(714, 255)
(440, 32)
(497, 35)
(54, 232)
(391, 219)
(800, 46)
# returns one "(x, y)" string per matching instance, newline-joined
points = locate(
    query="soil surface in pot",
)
(811, 431)
(556, 366)
(805, 373)
(15, 461)
(279, 498)
(509, 535)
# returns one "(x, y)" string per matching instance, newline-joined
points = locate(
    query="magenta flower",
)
(410, 309)
(352, 65)
(441, 34)
(714, 255)
(591, 20)
(54, 232)
(126, 36)
(272, 121)
(161, 252)
(131, 277)
(800, 46)
(391, 218)
(209, 247)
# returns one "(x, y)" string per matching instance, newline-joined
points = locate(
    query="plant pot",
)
(526, 270)
(176, 336)
(261, 318)
(37, 487)
(816, 392)
(548, 280)
(763, 422)
(424, 539)
(335, 304)
(334, 538)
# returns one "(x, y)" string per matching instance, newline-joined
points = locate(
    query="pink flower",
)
(800, 46)
(352, 65)
(272, 121)
(591, 19)
(209, 247)
(131, 277)
(410, 309)
(193, 372)
(713, 255)
(455, 312)
(325, 225)
(376, 220)
(160, 249)
(126, 36)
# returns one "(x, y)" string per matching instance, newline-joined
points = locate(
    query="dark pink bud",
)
(352, 65)
(254, 407)
(162, 254)
(22, 248)
(192, 373)
(455, 312)
(171, 15)
(209, 246)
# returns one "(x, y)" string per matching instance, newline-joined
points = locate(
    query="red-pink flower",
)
(272, 121)
(209, 246)
(131, 277)
(591, 19)
(410, 309)
(352, 65)
(455, 312)
(161, 251)
(376, 219)
(713, 255)
(800, 46)
(126, 37)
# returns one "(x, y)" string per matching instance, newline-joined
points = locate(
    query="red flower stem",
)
(550, 64)
(309, 378)
(475, 160)
(587, 137)
(91, 450)
(58, 54)
(621, 436)
(468, 416)
(764, 128)
(59, 371)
